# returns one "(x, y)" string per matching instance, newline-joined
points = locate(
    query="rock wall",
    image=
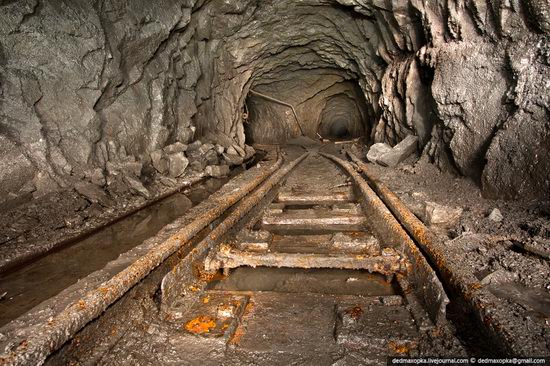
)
(95, 90)
(474, 91)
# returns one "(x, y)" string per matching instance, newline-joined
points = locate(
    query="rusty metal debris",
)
(534, 247)
(200, 325)
(227, 257)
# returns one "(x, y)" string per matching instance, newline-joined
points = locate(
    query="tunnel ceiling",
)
(93, 87)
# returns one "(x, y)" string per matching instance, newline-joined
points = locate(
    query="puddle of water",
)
(296, 280)
(47, 276)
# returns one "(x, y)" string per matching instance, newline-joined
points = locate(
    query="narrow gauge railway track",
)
(289, 263)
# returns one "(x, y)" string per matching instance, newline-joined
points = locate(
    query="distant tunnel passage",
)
(339, 129)
(342, 118)
(326, 106)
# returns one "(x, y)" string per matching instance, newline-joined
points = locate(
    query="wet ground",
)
(31, 284)
(280, 316)
(330, 316)
(296, 280)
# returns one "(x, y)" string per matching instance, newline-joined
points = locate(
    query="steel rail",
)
(251, 201)
(50, 336)
(432, 293)
(463, 283)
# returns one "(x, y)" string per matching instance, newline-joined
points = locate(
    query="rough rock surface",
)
(436, 214)
(112, 82)
(495, 215)
(377, 150)
(399, 152)
(176, 164)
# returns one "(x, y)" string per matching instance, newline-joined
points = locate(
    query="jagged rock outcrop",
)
(104, 84)
(476, 83)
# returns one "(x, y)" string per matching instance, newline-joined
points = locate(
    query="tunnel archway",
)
(318, 103)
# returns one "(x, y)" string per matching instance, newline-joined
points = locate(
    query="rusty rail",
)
(48, 337)
(250, 201)
(431, 293)
(484, 304)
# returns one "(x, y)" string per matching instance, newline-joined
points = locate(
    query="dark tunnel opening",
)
(312, 103)
(339, 130)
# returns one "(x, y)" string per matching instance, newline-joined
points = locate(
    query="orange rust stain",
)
(209, 277)
(401, 349)
(104, 291)
(248, 308)
(194, 288)
(24, 344)
(475, 286)
(236, 338)
(200, 325)
(206, 299)
(81, 305)
(355, 312)
(201, 274)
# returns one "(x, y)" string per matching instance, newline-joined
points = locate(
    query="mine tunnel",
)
(328, 182)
